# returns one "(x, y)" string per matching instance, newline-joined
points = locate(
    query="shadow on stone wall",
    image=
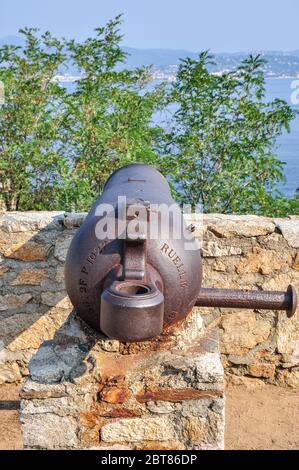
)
(62, 358)
(33, 300)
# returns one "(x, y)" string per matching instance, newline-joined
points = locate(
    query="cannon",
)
(134, 267)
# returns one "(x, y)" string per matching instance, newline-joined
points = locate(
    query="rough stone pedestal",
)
(85, 391)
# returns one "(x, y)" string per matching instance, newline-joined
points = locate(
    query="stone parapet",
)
(239, 252)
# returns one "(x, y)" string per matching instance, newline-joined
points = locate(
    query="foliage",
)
(280, 206)
(109, 115)
(58, 147)
(222, 143)
(30, 120)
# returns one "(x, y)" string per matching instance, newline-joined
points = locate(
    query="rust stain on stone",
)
(296, 262)
(160, 343)
(112, 365)
(120, 365)
(116, 380)
(120, 413)
(175, 395)
(208, 344)
(89, 419)
(90, 426)
(114, 394)
(91, 437)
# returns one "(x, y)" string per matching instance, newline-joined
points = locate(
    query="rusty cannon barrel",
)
(136, 277)
(134, 267)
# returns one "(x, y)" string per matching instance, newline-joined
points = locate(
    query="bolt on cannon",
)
(134, 266)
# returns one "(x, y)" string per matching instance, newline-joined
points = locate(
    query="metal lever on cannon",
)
(249, 299)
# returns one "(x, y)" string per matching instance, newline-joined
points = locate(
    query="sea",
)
(287, 145)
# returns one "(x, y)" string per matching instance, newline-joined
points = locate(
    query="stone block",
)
(228, 226)
(290, 230)
(49, 431)
(11, 301)
(30, 277)
(263, 261)
(262, 370)
(61, 406)
(138, 430)
(248, 382)
(62, 245)
(9, 373)
(74, 219)
(288, 378)
(29, 251)
(288, 334)
(242, 332)
(58, 299)
(3, 270)
(161, 407)
(32, 329)
(15, 222)
(53, 364)
(217, 249)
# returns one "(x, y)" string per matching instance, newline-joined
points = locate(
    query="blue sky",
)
(219, 25)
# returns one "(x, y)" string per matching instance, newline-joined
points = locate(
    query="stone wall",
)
(86, 391)
(239, 252)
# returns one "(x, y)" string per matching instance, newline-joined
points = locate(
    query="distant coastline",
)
(165, 62)
(159, 75)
